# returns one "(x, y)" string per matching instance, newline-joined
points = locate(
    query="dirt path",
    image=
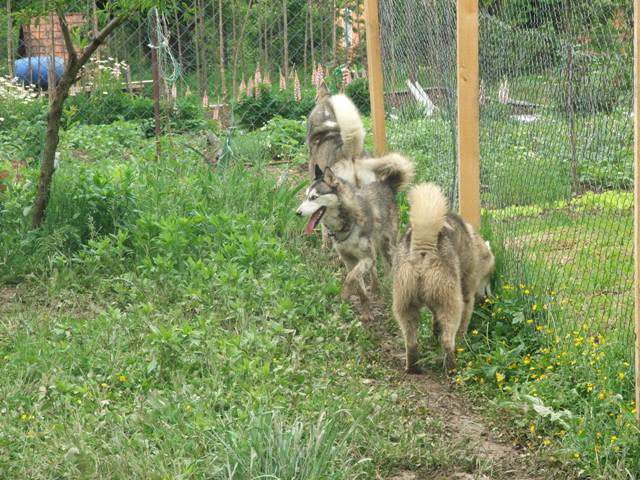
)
(494, 455)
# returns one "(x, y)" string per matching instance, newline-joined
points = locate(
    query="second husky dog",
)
(335, 137)
(443, 264)
(361, 221)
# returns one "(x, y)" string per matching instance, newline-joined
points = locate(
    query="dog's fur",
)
(335, 137)
(441, 263)
(362, 221)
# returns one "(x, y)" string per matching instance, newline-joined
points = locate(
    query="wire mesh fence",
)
(556, 145)
(223, 66)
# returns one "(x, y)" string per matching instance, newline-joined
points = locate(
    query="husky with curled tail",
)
(441, 263)
(335, 137)
(362, 222)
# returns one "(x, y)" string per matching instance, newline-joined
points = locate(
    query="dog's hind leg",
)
(467, 312)
(408, 318)
(387, 257)
(449, 315)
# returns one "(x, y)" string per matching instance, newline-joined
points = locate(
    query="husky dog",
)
(335, 137)
(361, 221)
(441, 263)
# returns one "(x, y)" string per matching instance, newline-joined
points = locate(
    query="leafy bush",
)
(597, 84)
(358, 90)
(566, 388)
(254, 111)
(22, 127)
(285, 138)
(91, 201)
(108, 106)
(97, 142)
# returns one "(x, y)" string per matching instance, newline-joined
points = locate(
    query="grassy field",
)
(169, 321)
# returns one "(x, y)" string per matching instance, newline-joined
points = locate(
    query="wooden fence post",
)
(376, 86)
(636, 176)
(468, 111)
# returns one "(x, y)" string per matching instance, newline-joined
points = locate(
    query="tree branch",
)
(100, 37)
(73, 55)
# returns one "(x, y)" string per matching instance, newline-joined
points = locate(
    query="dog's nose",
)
(299, 213)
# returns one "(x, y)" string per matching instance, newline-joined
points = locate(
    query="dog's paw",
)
(367, 317)
(345, 293)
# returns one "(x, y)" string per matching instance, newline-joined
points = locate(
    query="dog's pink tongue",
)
(313, 221)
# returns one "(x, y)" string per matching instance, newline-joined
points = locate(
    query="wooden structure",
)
(468, 70)
(42, 36)
(376, 83)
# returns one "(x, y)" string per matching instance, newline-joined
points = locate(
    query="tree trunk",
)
(285, 38)
(306, 40)
(10, 39)
(52, 135)
(196, 41)
(237, 49)
(223, 78)
(51, 70)
(94, 15)
(313, 47)
(334, 35)
(323, 39)
(203, 47)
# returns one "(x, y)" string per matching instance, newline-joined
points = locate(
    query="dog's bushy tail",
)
(428, 209)
(393, 169)
(350, 123)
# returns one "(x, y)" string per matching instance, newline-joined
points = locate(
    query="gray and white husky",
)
(361, 221)
(335, 138)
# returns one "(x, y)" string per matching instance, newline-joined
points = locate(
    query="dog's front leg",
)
(355, 280)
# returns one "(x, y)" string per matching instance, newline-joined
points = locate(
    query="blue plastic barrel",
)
(35, 70)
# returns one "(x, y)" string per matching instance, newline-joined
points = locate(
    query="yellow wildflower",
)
(474, 332)
(532, 428)
(499, 377)
(613, 438)
(621, 375)
(122, 378)
(546, 442)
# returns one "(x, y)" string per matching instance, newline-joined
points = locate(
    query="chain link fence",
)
(224, 67)
(556, 144)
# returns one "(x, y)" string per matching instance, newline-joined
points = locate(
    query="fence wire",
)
(556, 142)
(228, 67)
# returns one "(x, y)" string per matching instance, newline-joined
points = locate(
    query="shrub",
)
(255, 111)
(358, 90)
(285, 138)
(597, 85)
(108, 106)
(23, 121)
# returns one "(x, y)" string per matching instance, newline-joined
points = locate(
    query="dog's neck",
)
(339, 223)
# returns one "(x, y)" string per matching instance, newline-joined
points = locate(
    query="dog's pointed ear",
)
(330, 177)
(322, 92)
(318, 172)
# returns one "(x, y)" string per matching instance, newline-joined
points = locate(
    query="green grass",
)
(169, 321)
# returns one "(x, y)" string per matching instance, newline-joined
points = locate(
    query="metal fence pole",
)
(376, 86)
(636, 176)
(468, 111)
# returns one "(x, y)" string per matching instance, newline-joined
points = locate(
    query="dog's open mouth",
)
(314, 220)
